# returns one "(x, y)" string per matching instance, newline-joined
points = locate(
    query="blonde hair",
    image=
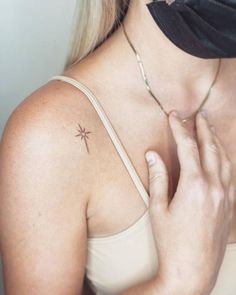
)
(93, 22)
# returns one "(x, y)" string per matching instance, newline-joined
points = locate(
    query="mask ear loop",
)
(168, 2)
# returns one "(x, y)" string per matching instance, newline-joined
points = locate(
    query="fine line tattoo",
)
(84, 135)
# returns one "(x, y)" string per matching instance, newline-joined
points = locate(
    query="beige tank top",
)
(119, 261)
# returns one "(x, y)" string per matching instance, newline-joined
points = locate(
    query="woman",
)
(78, 198)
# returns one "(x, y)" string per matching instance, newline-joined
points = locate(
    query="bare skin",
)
(131, 98)
(53, 113)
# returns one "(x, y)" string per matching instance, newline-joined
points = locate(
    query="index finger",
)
(187, 147)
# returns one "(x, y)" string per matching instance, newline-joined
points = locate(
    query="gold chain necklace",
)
(152, 94)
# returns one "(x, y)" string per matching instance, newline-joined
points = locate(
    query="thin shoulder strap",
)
(112, 133)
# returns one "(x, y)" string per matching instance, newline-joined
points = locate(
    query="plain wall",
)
(34, 43)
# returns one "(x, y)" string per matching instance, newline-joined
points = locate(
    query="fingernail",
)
(213, 129)
(204, 113)
(150, 157)
(174, 113)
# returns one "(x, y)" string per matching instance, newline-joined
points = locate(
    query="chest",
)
(116, 202)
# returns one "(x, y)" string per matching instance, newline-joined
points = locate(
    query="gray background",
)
(34, 44)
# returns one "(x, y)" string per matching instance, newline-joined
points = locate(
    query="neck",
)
(178, 79)
(159, 54)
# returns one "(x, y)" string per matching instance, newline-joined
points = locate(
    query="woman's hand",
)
(191, 231)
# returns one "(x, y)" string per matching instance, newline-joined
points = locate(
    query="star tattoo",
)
(84, 135)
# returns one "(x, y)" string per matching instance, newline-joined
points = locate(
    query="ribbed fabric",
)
(119, 261)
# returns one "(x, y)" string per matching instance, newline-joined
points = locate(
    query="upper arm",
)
(43, 204)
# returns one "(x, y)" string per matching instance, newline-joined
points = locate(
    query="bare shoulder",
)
(57, 118)
(46, 180)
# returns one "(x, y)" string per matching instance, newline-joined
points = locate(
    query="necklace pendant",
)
(185, 120)
(189, 118)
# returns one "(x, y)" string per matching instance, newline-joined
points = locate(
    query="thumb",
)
(158, 181)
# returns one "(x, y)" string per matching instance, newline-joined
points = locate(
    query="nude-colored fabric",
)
(125, 259)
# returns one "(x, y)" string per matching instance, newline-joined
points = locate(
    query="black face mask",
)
(203, 28)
